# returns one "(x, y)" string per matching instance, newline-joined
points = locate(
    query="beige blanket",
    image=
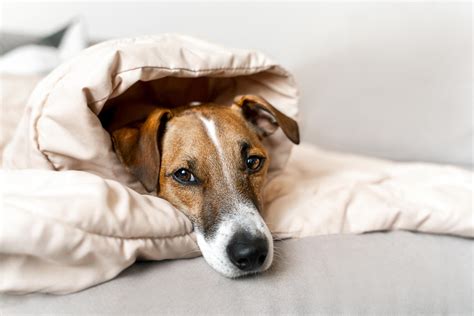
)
(79, 218)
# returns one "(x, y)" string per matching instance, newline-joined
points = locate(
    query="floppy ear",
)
(266, 118)
(138, 148)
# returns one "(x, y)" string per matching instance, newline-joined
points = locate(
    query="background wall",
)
(387, 79)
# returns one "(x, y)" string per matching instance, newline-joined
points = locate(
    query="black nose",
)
(247, 252)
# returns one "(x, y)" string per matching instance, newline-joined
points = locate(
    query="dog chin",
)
(214, 249)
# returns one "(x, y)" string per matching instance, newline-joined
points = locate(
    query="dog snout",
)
(247, 252)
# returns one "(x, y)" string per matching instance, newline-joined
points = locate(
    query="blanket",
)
(73, 217)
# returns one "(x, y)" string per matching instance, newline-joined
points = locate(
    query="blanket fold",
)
(333, 193)
(64, 231)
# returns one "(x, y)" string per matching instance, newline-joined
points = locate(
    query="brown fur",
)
(172, 139)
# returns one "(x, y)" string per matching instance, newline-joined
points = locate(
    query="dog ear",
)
(266, 118)
(138, 148)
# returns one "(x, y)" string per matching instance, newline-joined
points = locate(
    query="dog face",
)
(209, 162)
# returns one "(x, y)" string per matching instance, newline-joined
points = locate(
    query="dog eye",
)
(184, 176)
(254, 163)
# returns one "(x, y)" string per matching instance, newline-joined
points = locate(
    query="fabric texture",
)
(14, 93)
(395, 273)
(85, 218)
(324, 192)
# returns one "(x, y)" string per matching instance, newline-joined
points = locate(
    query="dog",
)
(209, 162)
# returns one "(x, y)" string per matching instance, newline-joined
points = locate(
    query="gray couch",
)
(396, 273)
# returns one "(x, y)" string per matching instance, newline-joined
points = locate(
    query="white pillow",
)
(36, 59)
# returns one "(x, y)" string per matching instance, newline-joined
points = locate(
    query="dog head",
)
(209, 162)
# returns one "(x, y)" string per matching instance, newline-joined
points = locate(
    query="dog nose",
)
(247, 252)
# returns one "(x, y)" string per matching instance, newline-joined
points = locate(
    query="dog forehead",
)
(199, 124)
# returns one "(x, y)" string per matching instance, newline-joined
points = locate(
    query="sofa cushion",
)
(381, 273)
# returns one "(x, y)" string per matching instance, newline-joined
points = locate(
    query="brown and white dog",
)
(209, 162)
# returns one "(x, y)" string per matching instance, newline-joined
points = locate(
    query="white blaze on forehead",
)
(211, 131)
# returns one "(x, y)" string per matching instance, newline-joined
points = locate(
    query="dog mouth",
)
(241, 245)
